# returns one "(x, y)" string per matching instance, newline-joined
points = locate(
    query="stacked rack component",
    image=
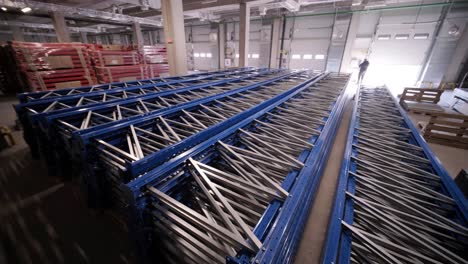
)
(49, 66)
(30, 96)
(395, 203)
(155, 58)
(159, 69)
(155, 54)
(119, 154)
(79, 100)
(63, 129)
(121, 73)
(243, 194)
(104, 58)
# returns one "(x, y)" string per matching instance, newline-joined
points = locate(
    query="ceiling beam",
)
(46, 26)
(71, 12)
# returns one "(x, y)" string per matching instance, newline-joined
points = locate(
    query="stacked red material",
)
(54, 65)
(116, 63)
(51, 56)
(154, 54)
(121, 73)
(104, 58)
(156, 70)
(155, 58)
(51, 80)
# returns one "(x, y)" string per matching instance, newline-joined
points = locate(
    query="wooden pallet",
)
(447, 129)
(422, 95)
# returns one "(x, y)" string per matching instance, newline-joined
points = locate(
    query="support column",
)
(17, 33)
(352, 31)
(459, 56)
(137, 35)
(174, 35)
(221, 44)
(244, 34)
(275, 43)
(84, 37)
(60, 26)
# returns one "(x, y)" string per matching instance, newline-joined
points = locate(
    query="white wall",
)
(308, 36)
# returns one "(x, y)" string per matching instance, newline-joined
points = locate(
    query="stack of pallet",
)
(117, 63)
(49, 66)
(155, 58)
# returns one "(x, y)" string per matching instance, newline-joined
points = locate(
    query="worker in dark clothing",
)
(362, 69)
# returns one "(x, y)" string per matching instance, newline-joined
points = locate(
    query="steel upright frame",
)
(162, 192)
(395, 202)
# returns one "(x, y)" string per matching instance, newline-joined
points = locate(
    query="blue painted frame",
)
(338, 243)
(22, 97)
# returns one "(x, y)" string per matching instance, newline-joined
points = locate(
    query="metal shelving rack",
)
(126, 151)
(39, 115)
(395, 203)
(32, 96)
(244, 193)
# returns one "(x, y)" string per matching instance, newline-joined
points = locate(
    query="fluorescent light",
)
(384, 37)
(196, 55)
(296, 56)
(208, 55)
(307, 56)
(319, 57)
(4, 8)
(421, 36)
(255, 56)
(202, 55)
(26, 9)
(401, 36)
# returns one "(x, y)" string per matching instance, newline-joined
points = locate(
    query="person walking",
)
(362, 69)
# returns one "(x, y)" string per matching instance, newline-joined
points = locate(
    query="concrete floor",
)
(49, 222)
(45, 220)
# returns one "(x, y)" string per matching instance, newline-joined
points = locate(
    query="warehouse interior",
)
(234, 131)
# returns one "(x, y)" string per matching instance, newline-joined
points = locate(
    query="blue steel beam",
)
(32, 96)
(72, 121)
(162, 135)
(395, 202)
(103, 96)
(268, 161)
(28, 113)
(59, 131)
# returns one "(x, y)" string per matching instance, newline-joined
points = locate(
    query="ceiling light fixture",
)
(4, 8)
(26, 9)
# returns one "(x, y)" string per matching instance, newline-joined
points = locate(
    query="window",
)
(296, 56)
(255, 56)
(319, 57)
(196, 55)
(401, 36)
(384, 37)
(208, 55)
(202, 55)
(421, 36)
(307, 56)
